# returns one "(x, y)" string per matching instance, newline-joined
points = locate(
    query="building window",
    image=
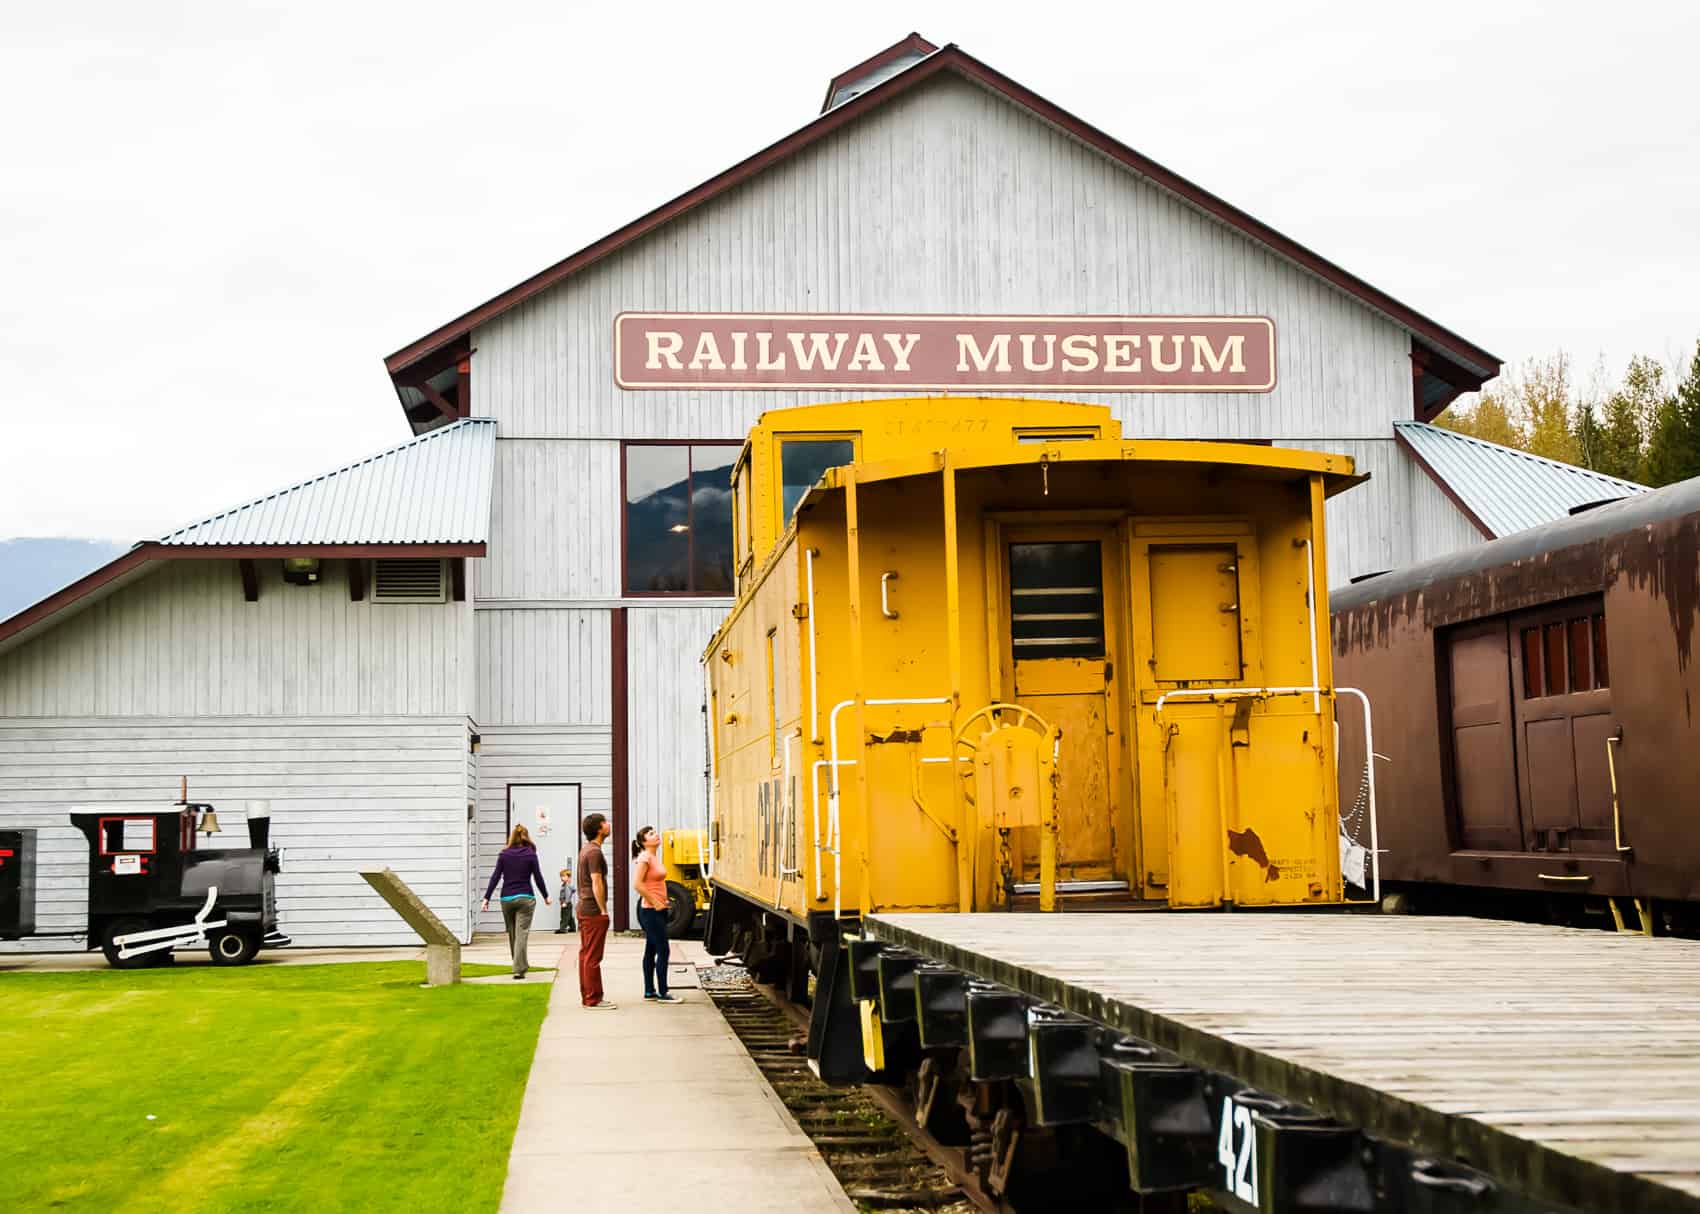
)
(678, 517)
(1565, 656)
(802, 462)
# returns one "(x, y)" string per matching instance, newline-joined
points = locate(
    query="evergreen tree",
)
(1673, 451)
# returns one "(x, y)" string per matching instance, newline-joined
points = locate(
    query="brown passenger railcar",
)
(1535, 715)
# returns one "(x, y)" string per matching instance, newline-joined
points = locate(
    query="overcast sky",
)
(217, 218)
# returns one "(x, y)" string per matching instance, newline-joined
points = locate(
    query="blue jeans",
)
(656, 950)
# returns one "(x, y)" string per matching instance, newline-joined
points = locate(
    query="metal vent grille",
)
(408, 581)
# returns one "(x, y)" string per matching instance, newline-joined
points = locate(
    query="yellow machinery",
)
(687, 885)
(988, 653)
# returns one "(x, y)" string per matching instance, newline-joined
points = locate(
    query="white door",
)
(551, 813)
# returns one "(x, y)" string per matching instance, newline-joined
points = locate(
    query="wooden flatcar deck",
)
(1568, 1061)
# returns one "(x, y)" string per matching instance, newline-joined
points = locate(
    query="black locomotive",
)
(152, 891)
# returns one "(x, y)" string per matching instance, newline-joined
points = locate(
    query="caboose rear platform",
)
(1311, 1062)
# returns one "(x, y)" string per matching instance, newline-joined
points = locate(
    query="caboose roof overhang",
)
(1338, 472)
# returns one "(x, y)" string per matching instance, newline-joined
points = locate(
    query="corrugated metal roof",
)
(1508, 490)
(434, 489)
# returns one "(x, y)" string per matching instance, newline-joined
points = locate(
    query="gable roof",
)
(429, 496)
(1502, 490)
(1451, 364)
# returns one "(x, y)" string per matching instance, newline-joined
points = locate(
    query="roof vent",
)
(876, 70)
(408, 580)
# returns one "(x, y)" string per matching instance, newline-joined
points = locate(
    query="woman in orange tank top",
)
(649, 880)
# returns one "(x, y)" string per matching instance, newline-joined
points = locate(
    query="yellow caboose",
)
(988, 652)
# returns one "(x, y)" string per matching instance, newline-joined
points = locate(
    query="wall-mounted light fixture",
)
(477, 740)
(300, 570)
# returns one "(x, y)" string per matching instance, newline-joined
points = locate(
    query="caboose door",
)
(1060, 588)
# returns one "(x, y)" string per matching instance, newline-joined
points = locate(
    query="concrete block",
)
(442, 948)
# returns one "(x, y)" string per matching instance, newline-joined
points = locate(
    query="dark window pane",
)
(657, 519)
(711, 518)
(1555, 660)
(1602, 672)
(1056, 600)
(1581, 666)
(802, 462)
(1532, 686)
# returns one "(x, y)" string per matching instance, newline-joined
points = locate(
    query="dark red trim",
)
(250, 581)
(620, 775)
(226, 552)
(1474, 365)
(1475, 519)
(913, 43)
(437, 401)
(79, 589)
(142, 554)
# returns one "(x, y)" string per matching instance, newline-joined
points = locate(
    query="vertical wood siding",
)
(1398, 517)
(182, 642)
(543, 666)
(345, 794)
(948, 199)
(555, 526)
(664, 713)
(534, 755)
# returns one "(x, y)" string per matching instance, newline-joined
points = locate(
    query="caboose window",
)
(1056, 600)
(678, 518)
(802, 462)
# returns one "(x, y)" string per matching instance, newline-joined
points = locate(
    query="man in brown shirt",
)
(593, 907)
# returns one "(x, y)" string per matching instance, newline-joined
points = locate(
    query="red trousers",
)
(592, 937)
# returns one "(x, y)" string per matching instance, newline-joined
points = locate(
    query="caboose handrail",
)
(1233, 693)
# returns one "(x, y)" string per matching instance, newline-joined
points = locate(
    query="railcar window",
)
(1565, 656)
(678, 518)
(1602, 672)
(126, 834)
(803, 461)
(1056, 600)
(1556, 683)
(1533, 686)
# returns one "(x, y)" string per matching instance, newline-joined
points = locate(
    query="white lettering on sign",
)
(1239, 1167)
(126, 864)
(759, 350)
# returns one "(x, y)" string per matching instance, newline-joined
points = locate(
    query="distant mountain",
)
(32, 569)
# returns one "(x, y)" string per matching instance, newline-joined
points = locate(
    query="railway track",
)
(874, 1149)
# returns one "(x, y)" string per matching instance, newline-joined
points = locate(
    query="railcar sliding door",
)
(1484, 749)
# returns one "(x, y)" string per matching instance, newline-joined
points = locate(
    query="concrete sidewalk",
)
(653, 1106)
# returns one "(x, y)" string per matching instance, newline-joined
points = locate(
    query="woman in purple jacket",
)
(516, 869)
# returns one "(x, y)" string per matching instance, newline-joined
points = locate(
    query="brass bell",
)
(209, 821)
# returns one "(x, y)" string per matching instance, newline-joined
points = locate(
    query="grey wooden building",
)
(590, 553)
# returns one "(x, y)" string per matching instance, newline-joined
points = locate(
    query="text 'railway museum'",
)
(501, 618)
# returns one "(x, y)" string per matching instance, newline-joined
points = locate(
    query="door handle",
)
(886, 578)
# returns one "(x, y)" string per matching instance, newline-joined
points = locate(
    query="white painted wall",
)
(544, 666)
(1400, 516)
(182, 642)
(948, 199)
(535, 754)
(345, 793)
(666, 742)
(556, 521)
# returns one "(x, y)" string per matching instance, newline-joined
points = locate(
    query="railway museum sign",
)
(762, 350)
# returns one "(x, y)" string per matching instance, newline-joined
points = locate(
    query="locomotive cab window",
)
(119, 835)
(1056, 600)
(803, 461)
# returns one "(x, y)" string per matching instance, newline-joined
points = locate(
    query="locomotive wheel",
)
(109, 946)
(681, 911)
(233, 948)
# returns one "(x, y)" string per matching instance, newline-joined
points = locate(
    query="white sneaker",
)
(667, 999)
(604, 1006)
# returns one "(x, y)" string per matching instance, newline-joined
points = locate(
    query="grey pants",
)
(516, 913)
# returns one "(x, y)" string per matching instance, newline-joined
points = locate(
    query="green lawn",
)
(296, 1088)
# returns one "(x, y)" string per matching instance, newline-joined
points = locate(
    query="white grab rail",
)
(1234, 693)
